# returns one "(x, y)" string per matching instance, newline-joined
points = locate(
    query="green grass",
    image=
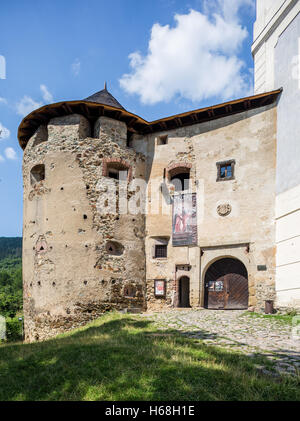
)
(284, 318)
(124, 357)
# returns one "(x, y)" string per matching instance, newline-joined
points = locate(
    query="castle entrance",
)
(184, 292)
(226, 285)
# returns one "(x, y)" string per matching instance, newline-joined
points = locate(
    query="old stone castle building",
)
(121, 213)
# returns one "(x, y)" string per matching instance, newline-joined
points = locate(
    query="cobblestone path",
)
(237, 330)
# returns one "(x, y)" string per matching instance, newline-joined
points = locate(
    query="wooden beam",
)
(118, 114)
(195, 117)
(163, 125)
(247, 104)
(131, 121)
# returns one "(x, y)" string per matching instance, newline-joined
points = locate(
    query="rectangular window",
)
(160, 251)
(225, 170)
(162, 140)
(117, 174)
(37, 174)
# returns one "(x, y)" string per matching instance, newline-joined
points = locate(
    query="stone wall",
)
(70, 276)
(81, 259)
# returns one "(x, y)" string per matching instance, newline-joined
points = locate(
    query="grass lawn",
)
(123, 357)
(284, 318)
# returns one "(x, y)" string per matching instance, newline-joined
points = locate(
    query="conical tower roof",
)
(104, 97)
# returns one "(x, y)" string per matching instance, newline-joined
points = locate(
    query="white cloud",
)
(3, 101)
(47, 96)
(228, 8)
(4, 132)
(196, 59)
(10, 153)
(1, 158)
(75, 67)
(26, 105)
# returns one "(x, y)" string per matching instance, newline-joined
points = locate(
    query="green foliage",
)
(125, 357)
(282, 318)
(292, 312)
(10, 277)
(10, 287)
(14, 331)
(10, 247)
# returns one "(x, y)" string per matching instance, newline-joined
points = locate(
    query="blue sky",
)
(159, 57)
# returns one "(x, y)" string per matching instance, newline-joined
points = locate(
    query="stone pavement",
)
(239, 331)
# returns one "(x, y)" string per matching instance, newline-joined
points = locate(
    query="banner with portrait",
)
(184, 221)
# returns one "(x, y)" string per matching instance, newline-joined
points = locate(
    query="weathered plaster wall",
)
(74, 279)
(250, 139)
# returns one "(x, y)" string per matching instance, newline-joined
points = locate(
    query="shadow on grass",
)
(121, 358)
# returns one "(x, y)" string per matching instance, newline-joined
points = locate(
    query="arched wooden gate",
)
(226, 285)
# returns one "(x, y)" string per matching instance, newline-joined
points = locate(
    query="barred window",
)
(160, 251)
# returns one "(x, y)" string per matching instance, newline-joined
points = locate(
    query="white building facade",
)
(276, 52)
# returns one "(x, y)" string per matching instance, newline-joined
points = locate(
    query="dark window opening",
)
(129, 139)
(117, 174)
(225, 170)
(162, 140)
(37, 174)
(160, 251)
(114, 248)
(181, 181)
(129, 291)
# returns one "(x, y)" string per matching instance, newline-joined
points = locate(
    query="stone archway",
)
(226, 285)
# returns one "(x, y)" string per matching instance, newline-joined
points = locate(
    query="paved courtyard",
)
(237, 330)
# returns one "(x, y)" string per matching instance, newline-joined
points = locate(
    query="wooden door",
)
(184, 292)
(226, 285)
(237, 292)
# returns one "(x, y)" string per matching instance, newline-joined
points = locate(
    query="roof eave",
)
(93, 110)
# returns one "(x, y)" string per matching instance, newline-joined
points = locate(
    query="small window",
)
(117, 174)
(129, 139)
(225, 170)
(114, 248)
(160, 251)
(129, 291)
(37, 174)
(116, 169)
(162, 140)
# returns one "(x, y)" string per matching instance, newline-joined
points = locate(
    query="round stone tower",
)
(83, 252)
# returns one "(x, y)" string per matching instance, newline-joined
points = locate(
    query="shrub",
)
(14, 329)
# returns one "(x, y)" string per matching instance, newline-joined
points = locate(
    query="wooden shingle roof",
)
(105, 98)
(98, 105)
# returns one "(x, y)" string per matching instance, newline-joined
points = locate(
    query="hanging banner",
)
(184, 220)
